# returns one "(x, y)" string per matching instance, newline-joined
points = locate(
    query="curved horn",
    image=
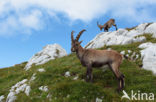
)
(72, 37)
(98, 24)
(80, 33)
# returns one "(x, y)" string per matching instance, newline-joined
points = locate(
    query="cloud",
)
(21, 23)
(27, 15)
(31, 20)
(134, 10)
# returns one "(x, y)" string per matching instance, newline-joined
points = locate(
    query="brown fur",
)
(97, 58)
(107, 25)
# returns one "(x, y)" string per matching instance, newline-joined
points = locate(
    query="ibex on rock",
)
(107, 25)
(97, 58)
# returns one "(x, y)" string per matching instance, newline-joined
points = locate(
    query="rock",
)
(138, 39)
(122, 52)
(49, 97)
(67, 74)
(44, 88)
(16, 89)
(11, 97)
(1, 98)
(132, 56)
(109, 49)
(122, 36)
(127, 55)
(76, 77)
(98, 100)
(68, 96)
(129, 51)
(33, 77)
(148, 54)
(137, 56)
(151, 29)
(49, 52)
(27, 90)
(21, 88)
(41, 70)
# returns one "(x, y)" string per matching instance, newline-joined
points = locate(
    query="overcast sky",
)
(28, 25)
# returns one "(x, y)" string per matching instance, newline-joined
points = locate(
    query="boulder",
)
(49, 52)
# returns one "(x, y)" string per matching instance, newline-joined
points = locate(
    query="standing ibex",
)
(97, 58)
(107, 25)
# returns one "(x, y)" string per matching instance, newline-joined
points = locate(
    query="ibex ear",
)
(80, 41)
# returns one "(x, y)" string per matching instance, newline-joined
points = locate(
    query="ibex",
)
(107, 25)
(97, 58)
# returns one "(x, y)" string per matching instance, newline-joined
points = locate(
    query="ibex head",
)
(75, 42)
(100, 26)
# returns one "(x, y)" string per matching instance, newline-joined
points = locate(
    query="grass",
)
(149, 37)
(65, 89)
(10, 76)
(132, 28)
(129, 29)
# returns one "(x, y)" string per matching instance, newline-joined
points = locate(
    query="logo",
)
(137, 95)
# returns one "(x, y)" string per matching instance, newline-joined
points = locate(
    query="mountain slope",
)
(66, 89)
(62, 79)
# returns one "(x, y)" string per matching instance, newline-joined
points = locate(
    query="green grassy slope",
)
(65, 89)
(10, 76)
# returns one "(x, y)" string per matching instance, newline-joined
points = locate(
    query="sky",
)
(26, 26)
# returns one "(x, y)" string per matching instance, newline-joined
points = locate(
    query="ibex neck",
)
(80, 52)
